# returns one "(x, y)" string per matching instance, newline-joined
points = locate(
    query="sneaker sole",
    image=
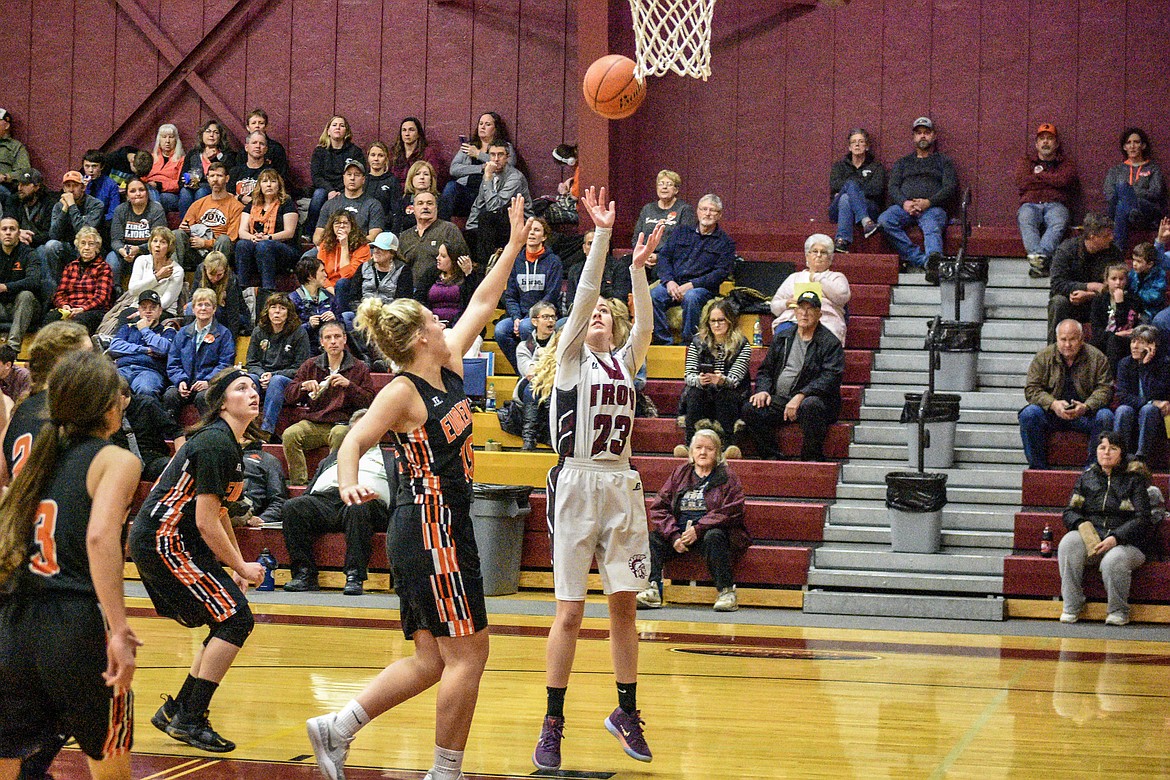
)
(161, 723)
(612, 729)
(548, 767)
(316, 741)
(186, 739)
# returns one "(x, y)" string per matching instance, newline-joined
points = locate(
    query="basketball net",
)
(672, 35)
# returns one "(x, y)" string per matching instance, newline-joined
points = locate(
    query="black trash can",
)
(940, 419)
(972, 271)
(958, 344)
(914, 502)
(498, 513)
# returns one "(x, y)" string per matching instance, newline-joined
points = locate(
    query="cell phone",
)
(462, 139)
(706, 368)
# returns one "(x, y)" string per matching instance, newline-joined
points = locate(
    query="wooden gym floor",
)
(721, 700)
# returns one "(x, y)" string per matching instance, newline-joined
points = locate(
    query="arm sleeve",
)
(730, 512)
(724, 263)
(463, 165)
(949, 184)
(897, 197)
(1135, 530)
(1073, 516)
(360, 392)
(784, 294)
(585, 299)
(838, 175)
(175, 370)
(643, 329)
(94, 209)
(1103, 386)
(103, 285)
(1035, 391)
(741, 366)
(691, 371)
(142, 275)
(317, 169)
(1061, 269)
(874, 186)
(252, 360)
(118, 228)
(215, 462)
(552, 283)
(121, 345)
(300, 345)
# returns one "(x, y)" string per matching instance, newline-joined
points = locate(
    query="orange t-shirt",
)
(221, 216)
(333, 259)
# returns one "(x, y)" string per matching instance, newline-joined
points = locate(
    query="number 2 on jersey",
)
(44, 559)
(610, 433)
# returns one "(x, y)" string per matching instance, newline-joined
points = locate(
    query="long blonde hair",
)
(545, 371)
(735, 339)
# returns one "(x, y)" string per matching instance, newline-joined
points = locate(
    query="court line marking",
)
(162, 775)
(974, 729)
(194, 769)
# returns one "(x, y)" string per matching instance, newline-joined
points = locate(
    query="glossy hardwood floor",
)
(720, 701)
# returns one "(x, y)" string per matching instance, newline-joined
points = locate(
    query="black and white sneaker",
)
(197, 732)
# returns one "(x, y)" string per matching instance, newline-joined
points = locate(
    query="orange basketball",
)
(611, 89)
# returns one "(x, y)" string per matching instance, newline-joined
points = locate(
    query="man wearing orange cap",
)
(1046, 179)
(73, 211)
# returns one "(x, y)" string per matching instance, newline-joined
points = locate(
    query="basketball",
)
(610, 88)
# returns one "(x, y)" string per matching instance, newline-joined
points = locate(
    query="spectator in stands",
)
(98, 184)
(385, 275)
(468, 164)
(167, 168)
(692, 263)
(257, 121)
(699, 507)
(85, 292)
(199, 352)
(1143, 393)
(717, 365)
(343, 249)
(215, 274)
(131, 227)
(335, 150)
(921, 186)
(213, 146)
(326, 390)
(320, 510)
(447, 286)
(20, 282)
(857, 186)
(1068, 388)
(268, 231)
(159, 271)
(615, 277)
(313, 300)
(34, 208)
(73, 211)
(278, 347)
(1147, 280)
(14, 380)
(420, 244)
(365, 211)
(1116, 312)
(382, 185)
(242, 178)
(141, 347)
(265, 488)
(1160, 242)
(1077, 270)
(13, 155)
(410, 148)
(1109, 503)
(147, 431)
(501, 182)
(536, 280)
(421, 178)
(1134, 191)
(832, 287)
(667, 210)
(212, 223)
(1047, 181)
(799, 381)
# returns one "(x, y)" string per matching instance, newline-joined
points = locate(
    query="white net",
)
(673, 35)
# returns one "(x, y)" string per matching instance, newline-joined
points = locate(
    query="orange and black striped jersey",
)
(435, 460)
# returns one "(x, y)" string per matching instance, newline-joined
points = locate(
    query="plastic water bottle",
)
(1046, 541)
(757, 335)
(489, 402)
(269, 563)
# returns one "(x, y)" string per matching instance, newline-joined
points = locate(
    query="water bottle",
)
(1046, 541)
(269, 563)
(757, 335)
(490, 401)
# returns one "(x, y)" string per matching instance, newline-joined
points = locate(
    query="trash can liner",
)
(943, 407)
(910, 491)
(952, 336)
(970, 269)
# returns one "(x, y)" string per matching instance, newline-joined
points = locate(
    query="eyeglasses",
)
(546, 316)
(715, 321)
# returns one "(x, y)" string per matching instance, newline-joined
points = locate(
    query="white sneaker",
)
(649, 598)
(1117, 619)
(329, 747)
(1070, 617)
(727, 602)
(429, 776)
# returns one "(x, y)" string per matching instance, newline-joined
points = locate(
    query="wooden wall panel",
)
(182, 23)
(267, 80)
(359, 65)
(1101, 107)
(403, 90)
(495, 55)
(450, 112)
(15, 87)
(311, 97)
(541, 107)
(808, 122)
(132, 57)
(46, 126)
(225, 73)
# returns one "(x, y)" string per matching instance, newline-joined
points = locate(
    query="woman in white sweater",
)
(158, 271)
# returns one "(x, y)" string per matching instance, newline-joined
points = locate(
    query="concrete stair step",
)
(860, 534)
(966, 456)
(825, 602)
(956, 516)
(916, 344)
(1009, 295)
(874, 472)
(916, 360)
(991, 330)
(870, 414)
(914, 380)
(904, 581)
(868, 557)
(966, 435)
(1000, 400)
(967, 495)
(991, 313)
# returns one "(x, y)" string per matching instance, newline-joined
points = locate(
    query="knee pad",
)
(236, 629)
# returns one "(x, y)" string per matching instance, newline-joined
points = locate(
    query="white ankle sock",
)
(448, 764)
(351, 719)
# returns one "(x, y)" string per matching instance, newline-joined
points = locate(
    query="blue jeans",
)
(1128, 210)
(457, 198)
(1148, 424)
(1051, 218)
(268, 257)
(316, 203)
(56, 255)
(143, 380)
(187, 196)
(117, 265)
(692, 303)
(1036, 425)
(933, 222)
(273, 399)
(509, 342)
(849, 207)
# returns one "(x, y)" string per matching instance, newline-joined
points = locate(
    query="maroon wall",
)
(788, 83)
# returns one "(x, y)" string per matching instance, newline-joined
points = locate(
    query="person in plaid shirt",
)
(86, 284)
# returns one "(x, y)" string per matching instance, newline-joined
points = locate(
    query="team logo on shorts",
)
(638, 566)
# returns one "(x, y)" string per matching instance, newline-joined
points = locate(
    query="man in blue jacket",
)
(140, 348)
(200, 351)
(692, 264)
(921, 185)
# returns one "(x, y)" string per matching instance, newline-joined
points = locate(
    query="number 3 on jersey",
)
(44, 559)
(610, 433)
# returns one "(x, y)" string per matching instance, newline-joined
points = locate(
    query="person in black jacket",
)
(1078, 268)
(857, 184)
(278, 347)
(265, 488)
(1109, 503)
(335, 151)
(20, 282)
(33, 206)
(799, 381)
(921, 185)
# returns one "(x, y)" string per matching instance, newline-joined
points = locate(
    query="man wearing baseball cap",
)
(1046, 178)
(922, 184)
(13, 156)
(799, 381)
(73, 211)
(33, 207)
(367, 212)
(141, 346)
